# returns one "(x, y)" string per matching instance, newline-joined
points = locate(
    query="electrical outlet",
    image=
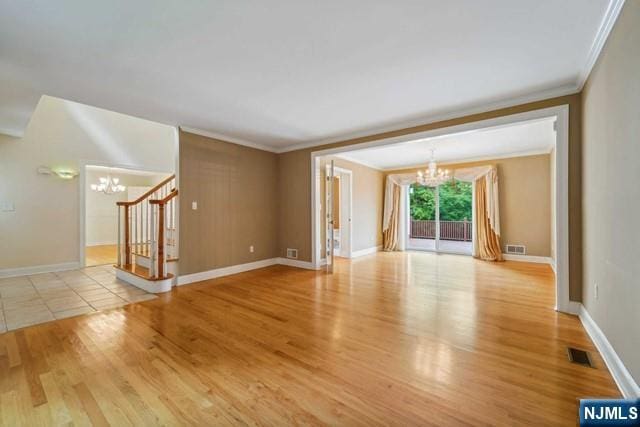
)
(194, 206)
(251, 248)
(596, 290)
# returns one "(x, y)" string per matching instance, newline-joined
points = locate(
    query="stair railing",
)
(138, 226)
(164, 210)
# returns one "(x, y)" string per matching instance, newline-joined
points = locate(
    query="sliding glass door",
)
(441, 218)
(454, 217)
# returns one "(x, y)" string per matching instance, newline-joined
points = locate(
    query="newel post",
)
(127, 237)
(161, 240)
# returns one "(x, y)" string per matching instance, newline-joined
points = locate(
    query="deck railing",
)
(449, 230)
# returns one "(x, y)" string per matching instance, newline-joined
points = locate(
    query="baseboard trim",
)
(625, 382)
(297, 263)
(367, 251)
(225, 271)
(154, 287)
(105, 243)
(38, 269)
(528, 258)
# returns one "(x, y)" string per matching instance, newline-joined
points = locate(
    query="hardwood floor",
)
(100, 255)
(392, 338)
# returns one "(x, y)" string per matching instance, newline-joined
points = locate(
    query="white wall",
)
(101, 215)
(45, 226)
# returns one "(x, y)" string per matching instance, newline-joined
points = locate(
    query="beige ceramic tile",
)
(11, 281)
(113, 301)
(59, 284)
(73, 312)
(21, 298)
(26, 317)
(57, 293)
(95, 295)
(17, 291)
(66, 303)
(140, 298)
(85, 288)
(26, 301)
(129, 291)
(41, 278)
(22, 303)
(84, 280)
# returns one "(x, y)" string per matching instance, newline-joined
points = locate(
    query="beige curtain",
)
(487, 242)
(390, 233)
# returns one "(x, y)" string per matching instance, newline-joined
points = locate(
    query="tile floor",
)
(29, 300)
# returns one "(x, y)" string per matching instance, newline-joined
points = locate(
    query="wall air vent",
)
(516, 249)
(292, 253)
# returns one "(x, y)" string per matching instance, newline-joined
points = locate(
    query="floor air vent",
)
(580, 357)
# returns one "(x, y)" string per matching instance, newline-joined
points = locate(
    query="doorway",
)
(440, 219)
(103, 188)
(560, 243)
(338, 200)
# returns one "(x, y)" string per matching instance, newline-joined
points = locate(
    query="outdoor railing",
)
(449, 230)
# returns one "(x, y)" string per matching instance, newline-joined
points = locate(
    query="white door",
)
(329, 216)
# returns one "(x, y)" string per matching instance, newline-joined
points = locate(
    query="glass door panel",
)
(454, 217)
(422, 217)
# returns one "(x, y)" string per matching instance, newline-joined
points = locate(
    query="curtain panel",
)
(486, 209)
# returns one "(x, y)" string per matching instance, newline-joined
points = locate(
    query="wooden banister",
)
(145, 232)
(147, 194)
(164, 201)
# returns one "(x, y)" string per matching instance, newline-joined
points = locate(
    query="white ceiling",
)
(533, 137)
(288, 72)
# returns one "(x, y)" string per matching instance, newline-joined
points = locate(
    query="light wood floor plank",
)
(389, 339)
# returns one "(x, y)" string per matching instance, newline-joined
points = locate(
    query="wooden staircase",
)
(147, 238)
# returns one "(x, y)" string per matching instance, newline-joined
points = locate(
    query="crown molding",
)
(606, 25)
(227, 138)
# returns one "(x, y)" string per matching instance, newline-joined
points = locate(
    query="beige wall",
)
(524, 193)
(367, 201)
(237, 195)
(294, 183)
(44, 229)
(611, 132)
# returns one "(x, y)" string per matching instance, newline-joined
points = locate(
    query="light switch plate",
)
(194, 206)
(7, 207)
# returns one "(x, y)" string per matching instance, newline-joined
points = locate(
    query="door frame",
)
(341, 170)
(560, 113)
(82, 177)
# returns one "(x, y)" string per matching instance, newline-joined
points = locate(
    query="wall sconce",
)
(61, 173)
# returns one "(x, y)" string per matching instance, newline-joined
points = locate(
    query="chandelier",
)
(432, 177)
(108, 185)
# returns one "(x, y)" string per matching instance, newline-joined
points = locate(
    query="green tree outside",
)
(455, 201)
